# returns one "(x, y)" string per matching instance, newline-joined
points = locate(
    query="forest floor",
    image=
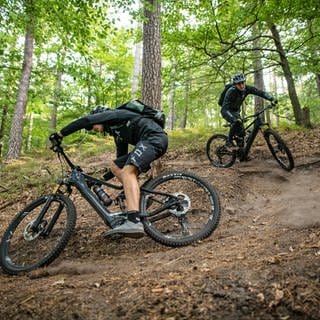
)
(262, 262)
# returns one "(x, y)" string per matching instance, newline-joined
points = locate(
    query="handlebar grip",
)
(55, 140)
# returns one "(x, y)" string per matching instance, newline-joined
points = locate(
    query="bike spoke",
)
(279, 149)
(218, 152)
(185, 210)
(30, 242)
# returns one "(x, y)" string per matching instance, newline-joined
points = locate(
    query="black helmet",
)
(98, 109)
(239, 78)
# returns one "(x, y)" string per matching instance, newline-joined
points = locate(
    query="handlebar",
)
(256, 114)
(55, 140)
(269, 106)
(57, 147)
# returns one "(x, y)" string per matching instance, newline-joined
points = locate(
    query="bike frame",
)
(83, 183)
(257, 124)
(80, 181)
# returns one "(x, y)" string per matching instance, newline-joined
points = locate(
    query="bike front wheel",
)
(218, 153)
(179, 208)
(30, 242)
(279, 149)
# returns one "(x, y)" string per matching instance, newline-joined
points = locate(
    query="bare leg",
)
(132, 227)
(128, 177)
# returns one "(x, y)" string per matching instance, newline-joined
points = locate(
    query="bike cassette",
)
(184, 204)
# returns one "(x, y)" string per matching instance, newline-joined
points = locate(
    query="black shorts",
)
(144, 152)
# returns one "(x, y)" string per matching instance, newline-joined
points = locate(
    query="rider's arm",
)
(87, 122)
(82, 123)
(260, 93)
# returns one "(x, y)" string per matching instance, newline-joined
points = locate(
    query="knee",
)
(115, 169)
(126, 171)
(129, 170)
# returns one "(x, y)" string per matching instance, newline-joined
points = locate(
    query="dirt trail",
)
(262, 262)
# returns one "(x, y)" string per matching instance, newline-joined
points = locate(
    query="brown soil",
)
(262, 262)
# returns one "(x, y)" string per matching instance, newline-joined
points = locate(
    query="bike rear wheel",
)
(24, 248)
(279, 149)
(180, 209)
(218, 153)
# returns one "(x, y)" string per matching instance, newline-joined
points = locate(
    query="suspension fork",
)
(50, 198)
(37, 222)
(54, 220)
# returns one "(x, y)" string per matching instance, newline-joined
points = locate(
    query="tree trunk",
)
(171, 116)
(29, 140)
(2, 125)
(318, 82)
(53, 120)
(306, 117)
(184, 117)
(258, 73)
(275, 86)
(151, 62)
(288, 75)
(136, 71)
(15, 141)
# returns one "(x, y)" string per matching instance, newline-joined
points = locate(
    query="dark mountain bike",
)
(223, 154)
(177, 209)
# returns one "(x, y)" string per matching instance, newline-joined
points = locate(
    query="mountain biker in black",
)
(233, 100)
(126, 127)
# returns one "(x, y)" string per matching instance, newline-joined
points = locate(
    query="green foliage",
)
(85, 145)
(27, 175)
(189, 139)
(206, 42)
(214, 39)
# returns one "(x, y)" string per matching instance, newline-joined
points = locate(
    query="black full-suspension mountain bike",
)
(177, 209)
(223, 153)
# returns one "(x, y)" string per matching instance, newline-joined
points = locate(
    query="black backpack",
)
(223, 93)
(145, 111)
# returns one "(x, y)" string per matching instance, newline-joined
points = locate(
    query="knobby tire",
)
(218, 154)
(196, 216)
(279, 149)
(22, 249)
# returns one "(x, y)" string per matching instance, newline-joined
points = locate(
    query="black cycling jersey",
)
(234, 98)
(123, 125)
(127, 128)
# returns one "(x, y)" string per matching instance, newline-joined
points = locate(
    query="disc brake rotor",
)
(29, 234)
(184, 204)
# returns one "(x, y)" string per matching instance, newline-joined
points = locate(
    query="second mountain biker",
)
(233, 100)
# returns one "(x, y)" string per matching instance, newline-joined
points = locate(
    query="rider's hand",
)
(55, 139)
(274, 102)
